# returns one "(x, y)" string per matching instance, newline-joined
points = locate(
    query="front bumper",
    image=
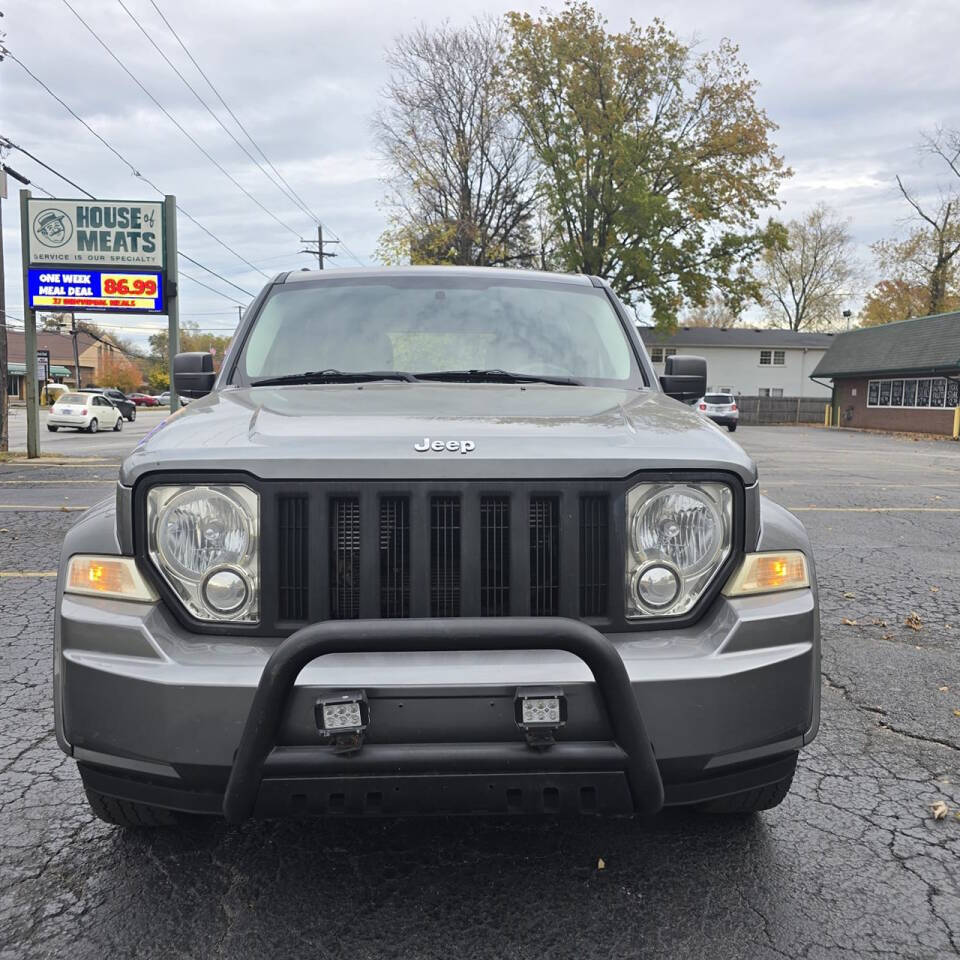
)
(155, 714)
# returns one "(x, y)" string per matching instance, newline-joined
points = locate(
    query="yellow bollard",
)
(827, 411)
(956, 423)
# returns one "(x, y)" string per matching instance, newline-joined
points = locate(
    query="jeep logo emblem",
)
(438, 446)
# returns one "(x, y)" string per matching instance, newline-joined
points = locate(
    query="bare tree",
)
(716, 312)
(462, 177)
(931, 253)
(807, 277)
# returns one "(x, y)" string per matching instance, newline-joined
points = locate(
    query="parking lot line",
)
(25, 574)
(874, 509)
(38, 507)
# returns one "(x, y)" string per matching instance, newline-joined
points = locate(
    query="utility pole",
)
(320, 253)
(4, 399)
(76, 350)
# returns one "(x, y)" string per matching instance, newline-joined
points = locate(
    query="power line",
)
(177, 123)
(236, 119)
(132, 168)
(287, 193)
(136, 173)
(92, 197)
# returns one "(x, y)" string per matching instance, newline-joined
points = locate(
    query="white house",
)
(745, 360)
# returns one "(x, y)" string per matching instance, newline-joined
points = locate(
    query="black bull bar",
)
(446, 634)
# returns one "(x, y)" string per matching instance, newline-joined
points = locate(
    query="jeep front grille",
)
(436, 550)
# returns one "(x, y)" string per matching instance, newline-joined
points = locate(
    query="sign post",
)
(30, 334)
(173, 299)
(96, 256)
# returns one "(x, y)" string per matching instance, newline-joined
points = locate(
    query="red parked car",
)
(143, 400)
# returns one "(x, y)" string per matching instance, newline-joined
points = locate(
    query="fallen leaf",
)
(601, 863)
(934, 589)
(849, 596)
(939, 810)
(943, 689)
(956, 713)
(848, 623)
(887, 636)
(879, 623)
(913, 621)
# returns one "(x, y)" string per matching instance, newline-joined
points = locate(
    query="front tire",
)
(129, 813)
(731, 427)
(118, 426)
(94, 426)
(52, 429)
(133, 415)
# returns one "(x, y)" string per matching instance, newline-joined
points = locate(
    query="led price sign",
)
(100, 291)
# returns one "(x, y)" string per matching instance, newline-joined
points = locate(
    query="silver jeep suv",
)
(435, 540)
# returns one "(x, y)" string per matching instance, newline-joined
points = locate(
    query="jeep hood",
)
(369, 431)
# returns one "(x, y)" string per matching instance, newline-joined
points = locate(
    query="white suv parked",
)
(720, 408)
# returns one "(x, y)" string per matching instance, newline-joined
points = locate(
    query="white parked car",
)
(84, 411)
(720, 408)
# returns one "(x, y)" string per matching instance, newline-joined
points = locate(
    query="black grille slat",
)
(445, 556)
(594, 555)
(544, 556)
(494, 556)
(345, 558)
(394, 557)
(292, 558)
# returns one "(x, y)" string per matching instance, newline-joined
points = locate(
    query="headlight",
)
(680, 534)
(205, 542)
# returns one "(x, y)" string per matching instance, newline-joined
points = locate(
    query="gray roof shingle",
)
(684, 337)
(921, 345)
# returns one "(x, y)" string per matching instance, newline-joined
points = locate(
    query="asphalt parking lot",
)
(76, 443)
(853, 864)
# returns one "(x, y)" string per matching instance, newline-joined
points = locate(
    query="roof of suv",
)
(297, 276)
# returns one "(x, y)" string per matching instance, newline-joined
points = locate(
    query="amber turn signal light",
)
(115, 577)
(769, 573)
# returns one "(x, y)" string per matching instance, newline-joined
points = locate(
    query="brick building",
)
(96, 354)
(899, 376)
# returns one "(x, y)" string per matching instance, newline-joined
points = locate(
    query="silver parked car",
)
(720, 408)
(435, 540)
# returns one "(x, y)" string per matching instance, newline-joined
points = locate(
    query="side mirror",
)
(193, 374)
(685, 377)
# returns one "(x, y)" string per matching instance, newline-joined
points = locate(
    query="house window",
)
(936, 392)
(659, 354)
(765, 359)
(776, 391)
(779, 358)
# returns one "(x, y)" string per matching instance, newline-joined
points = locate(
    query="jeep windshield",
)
(444, 329)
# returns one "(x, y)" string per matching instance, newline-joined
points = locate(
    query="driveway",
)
(853, 864)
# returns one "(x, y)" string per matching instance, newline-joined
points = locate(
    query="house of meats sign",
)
(96, 233)
(95, 255)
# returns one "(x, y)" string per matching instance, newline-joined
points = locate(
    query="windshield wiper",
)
(333, 376)
(496, 376)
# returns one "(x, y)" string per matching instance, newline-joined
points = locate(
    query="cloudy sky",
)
(851, 84)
